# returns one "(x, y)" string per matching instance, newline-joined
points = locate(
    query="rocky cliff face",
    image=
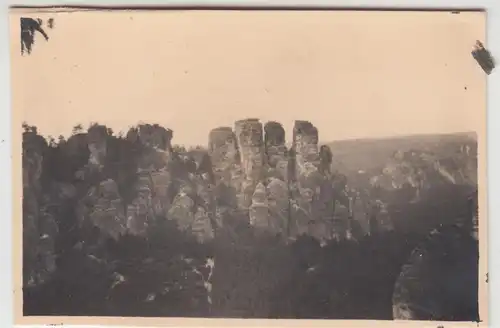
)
(289, 192)
(39, 223)
(132, 226)
(131, 186)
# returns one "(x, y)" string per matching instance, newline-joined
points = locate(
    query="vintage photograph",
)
(249, 164)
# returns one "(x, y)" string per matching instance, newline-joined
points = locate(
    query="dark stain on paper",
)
(29, 27)
(483, 57)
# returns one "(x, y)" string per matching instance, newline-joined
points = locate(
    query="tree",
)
(29, 128)
(52, 141)
(61, 139)
(110, 131)
(198, 147)
(179, 149)
(26, 127)
(77, 129)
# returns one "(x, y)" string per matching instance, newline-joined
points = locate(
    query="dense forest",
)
(245, 227)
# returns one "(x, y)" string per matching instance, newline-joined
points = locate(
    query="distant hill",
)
(371, 155)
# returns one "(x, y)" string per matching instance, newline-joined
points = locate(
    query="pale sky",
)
(352, 74)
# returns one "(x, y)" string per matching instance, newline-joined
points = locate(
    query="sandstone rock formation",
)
(325, 159)
(108, 212)
(313, 185)
(166, 185)
(259, 209)
(225, 158)
(276, 151)
(278, 203)
(285, 191)
(142, 210)
(440, 279)
(305, 143)
(39, 223)
(249, 170)
(142, 198)
(97, 142)
(151, 135)
(250, 140)
(171, 185)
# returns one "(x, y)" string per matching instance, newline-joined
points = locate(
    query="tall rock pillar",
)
(276, 151)
(97, 136)
(224, 154)
(153, 187)
(312, 187)
(39, 224)
(251, 145)
(277, 177)
(225, 159)
(305, 143)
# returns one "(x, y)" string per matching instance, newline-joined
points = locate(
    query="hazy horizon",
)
(354, 75)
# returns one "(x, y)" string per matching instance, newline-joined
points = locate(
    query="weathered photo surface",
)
(249, 164)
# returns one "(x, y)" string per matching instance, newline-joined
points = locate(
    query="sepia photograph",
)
(249, 164)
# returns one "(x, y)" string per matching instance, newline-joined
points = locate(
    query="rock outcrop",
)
(440, 279)
(39, 223)
(225, 159)
(97, 136)
(313, 183)
(166, 185)
(276, 151)
(137, 225)
(305, 143)
(285, 191)
(171, 185)
(107, 212)
(151, 135)
(250, 140)
(248, 172)
(278, 178)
